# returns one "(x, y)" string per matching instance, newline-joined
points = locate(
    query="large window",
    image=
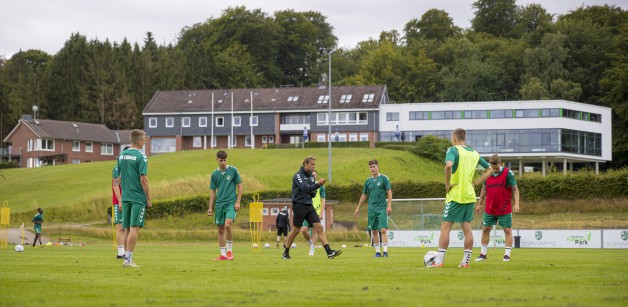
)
(343, 118)
(323, 99)
(89, 147)
(106, 149)
(76, 145)
(368, 97)
(392, 116)
(293, 119)
(417, 115)
(345, 98)
(159, 145)
(580, 142)
(197, 142)
(46, 144)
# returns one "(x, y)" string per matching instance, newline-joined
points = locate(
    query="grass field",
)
(184, 274)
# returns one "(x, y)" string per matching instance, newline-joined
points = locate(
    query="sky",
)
(46, 25)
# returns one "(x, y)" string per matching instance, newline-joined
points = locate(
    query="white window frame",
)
(271, 139)
(342, 137)
(202, 121)
(106, 149)
(324, 118)
(293, 98)
(76, 145)
(214, 138)
(222, 121)
(152, 122)
(323, 99)
(89, 147)
(197, 142)
(264, 139)
(47, 142)
(234, 140)
(253, 120)
(364, 137)
(346, 98)
(320, 137)
(186, 122)
(29, 145)
(247, 140)
(353, 137)
(368, 97)
(169, 122)
(237, 121)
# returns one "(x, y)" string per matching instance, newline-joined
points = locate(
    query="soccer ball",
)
(344, 245)
(429, 258)
(266, 245)
(294, 245)
(254, 245)
(19, 248)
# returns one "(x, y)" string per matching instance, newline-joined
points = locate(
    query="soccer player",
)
(133, 168)
(498, 191)
(460, 164)
(304, 188)
(222, 189)
(117, 209)
(308, 231)
(38, 219)
(377, 189)
(283, 225)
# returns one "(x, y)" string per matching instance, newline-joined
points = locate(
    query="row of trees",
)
(511, 52)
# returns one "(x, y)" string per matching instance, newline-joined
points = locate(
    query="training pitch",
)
(185, 274)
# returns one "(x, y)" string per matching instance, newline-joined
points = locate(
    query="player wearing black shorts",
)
(283, 225)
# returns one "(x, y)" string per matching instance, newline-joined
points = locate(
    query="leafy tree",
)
(434, 24)
(496, 17)
(534, 90)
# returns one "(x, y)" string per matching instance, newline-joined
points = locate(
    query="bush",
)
(321, 145)
(9, 164)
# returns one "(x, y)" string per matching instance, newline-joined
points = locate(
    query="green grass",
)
(187, 173)
(184, 274)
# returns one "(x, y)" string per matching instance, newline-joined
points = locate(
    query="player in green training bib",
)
(38, 219)
(377, 189)
(133, 168)
(460, 165)
(224, 181)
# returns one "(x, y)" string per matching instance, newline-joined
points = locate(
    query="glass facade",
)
(506, 113)
(518, 140)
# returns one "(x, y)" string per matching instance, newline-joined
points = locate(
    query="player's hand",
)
(149, 203)
(516, 208)
(322, 181)
(237, 206)
(209, 211)
(477, 209)
(120, 208)
(357, 212)
(389, 210)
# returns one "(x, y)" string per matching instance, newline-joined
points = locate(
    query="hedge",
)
(321, 145)
(582, 185)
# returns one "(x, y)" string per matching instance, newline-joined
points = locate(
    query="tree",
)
(496, 17)
(534, 90)
(434, 24)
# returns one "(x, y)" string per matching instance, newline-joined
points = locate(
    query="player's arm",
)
(482, 199)
(515, 192)
(212, 197)
(487, 172)
(448, 167)
(240, 191)
(389, 196)
(322, 208)
(115, 183)
(360, 202)
(146, 188)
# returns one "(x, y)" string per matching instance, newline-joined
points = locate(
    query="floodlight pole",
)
(329, 120)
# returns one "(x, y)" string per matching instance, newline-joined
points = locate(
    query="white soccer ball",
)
(266, 245)
(294, 245)
(254, 245)
(19, 248)
(429, 258)
(344, 245)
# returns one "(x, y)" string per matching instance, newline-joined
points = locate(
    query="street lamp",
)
(329, 120)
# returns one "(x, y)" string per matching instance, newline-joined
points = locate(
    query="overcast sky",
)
(48, 24)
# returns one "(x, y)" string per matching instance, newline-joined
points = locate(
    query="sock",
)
(286, 250)
(441, 255)
(508, 251)
(376, 245)
(467, 256)
(229, 245)
(223, 251)
(121, 250)
(484, 249)
(327, 249)
(385, 246)
(128, 256)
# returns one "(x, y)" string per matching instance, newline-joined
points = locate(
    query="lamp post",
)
(211, 141)
(329, 120)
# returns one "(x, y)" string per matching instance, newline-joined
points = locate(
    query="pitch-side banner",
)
(427, 238)
(568, 238)
(615, 238)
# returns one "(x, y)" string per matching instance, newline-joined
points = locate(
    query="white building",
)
(539, 131)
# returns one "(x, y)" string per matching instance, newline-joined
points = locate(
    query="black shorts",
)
(282, 230)
(302, 212)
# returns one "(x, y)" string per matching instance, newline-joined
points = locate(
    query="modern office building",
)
(521, 132)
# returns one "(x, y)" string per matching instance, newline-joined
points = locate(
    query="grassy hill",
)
(88, 185)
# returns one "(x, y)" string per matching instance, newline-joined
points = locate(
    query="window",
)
(321, 118)
(518, 113)
(439, 114)
(545, 112)
(247, 140)
(264, 139)
(320, 138)
(531, 113)
(392, 116)
(169, 122)
(362, 118)
(76, 145)
(46, 144)
(152, 122)
(185, 122)
(202, 121)
(274, 211)
(364, 137)
(220, 121)
(163, 145)
(416, 115)
(271, 139)
(345, 98)
(293, 119)
(214, 141)
(237, 121)
(89, 147)
(353, 137)
(106, 149)
(197, 142)
(498, 113)
(293, 98)
(596, 118)
(29, 145)
(76, 161)
(253, 121)
(555, 112)
(323, 99)
(234, 141)
(368, 97)
(479, 114)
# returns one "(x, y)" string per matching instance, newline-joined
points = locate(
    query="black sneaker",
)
(334, 254)
(120, 257)
(286, 256)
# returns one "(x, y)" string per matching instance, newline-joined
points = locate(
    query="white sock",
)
(128, 256)
(385, 246)
(121, 250)
(376, 245)
(223, 251)
(467, 256)
(229, 245)
(440, 258)
(508, 251)
(484, 249)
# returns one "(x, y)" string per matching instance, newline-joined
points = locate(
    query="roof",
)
(76, 131)
(264, 99)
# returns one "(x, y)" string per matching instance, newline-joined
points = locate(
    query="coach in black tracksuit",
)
(304, 187)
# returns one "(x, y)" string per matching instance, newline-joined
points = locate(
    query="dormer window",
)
(323, 99)
(293, 98)
(345, 98)
(368, 97)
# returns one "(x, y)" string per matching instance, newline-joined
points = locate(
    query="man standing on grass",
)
(377, 189)
(283, 225)
(224, 181)
(133, 168)
(460, 164)
(117, 209)
(318, 202)
(498, 192)
(304, 187)
(38, 219)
